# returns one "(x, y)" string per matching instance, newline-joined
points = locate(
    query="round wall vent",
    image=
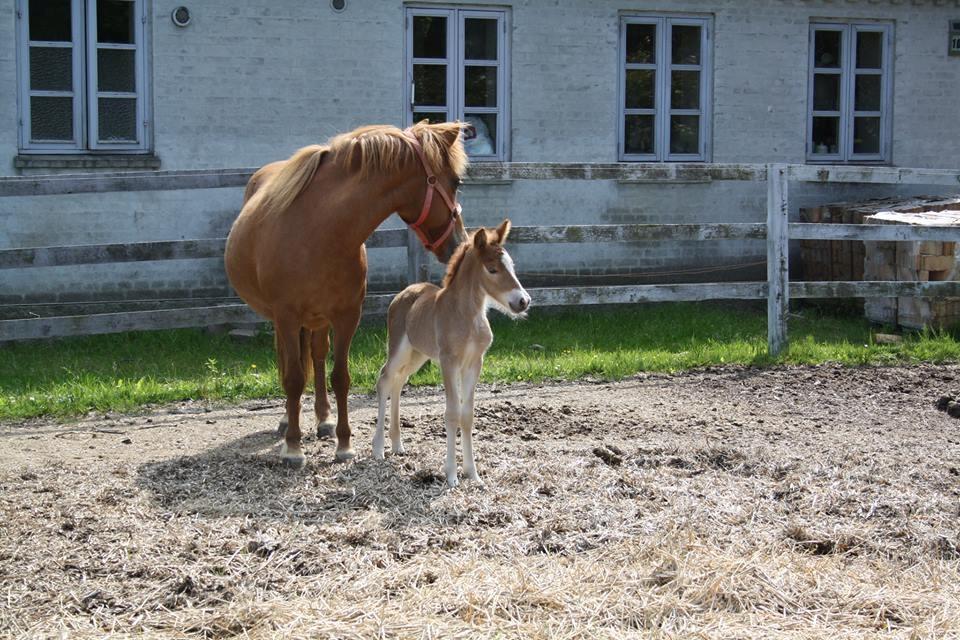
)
(180, 16)
(338, 5)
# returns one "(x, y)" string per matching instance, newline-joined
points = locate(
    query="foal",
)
(449, 325)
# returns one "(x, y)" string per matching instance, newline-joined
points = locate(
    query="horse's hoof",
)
(343, 455)
(398, 450)
(326, 429)
(292, 458)
(452, 481)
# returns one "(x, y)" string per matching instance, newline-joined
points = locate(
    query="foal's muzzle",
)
(520, 304)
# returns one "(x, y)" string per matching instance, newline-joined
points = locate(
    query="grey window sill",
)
(86, 161)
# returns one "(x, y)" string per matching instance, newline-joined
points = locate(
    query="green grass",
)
(123, 372)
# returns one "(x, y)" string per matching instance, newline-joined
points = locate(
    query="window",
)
(457, 68)
(664, 92)
(82, 75)
(849, 105)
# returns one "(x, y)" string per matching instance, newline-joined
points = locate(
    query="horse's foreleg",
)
(293, 380)
(321, 405)
(451, 386)
(471, 373)
(343, 329)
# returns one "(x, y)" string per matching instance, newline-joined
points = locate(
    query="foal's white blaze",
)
(517, 300)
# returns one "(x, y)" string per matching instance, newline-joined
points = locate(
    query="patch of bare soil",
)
(728, 503)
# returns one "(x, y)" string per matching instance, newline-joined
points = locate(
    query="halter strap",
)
(432, 185)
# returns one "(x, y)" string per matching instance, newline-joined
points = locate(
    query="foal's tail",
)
(306, 355)
(280, 191)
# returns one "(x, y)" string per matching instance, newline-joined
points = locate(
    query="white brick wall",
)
(249, 82)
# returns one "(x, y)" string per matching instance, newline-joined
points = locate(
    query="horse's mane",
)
(368, 149)
(386, 148)
(455, 261)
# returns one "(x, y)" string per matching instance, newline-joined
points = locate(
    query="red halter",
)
(432, 185)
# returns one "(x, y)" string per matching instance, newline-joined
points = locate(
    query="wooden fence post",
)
(778, 259)
(417, 265)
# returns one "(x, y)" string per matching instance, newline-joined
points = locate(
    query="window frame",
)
(84, 78)
(847, 112)
(456, 64)
(663, 66)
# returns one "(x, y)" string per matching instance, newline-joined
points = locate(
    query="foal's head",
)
(496, 274)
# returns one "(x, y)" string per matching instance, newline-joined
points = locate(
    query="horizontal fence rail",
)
(777, 232)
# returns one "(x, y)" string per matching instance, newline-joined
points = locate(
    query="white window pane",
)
(429, 37)
(684, 134)
(640, 91)
(867, 93)
(485, 142)
(480, 39)
(638, 135)
(51, 68)
(641, 43)
(826, 135)
(869, 50)
(430, 84)
(826, 49)
(117, 119)
(685, 90)
(826, 92)
(115, 21)
(480, 86)
(685, 44)
(51, 119)
(116, 70)
(866, 135)
(50, 20)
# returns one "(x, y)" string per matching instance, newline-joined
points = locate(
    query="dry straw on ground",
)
(793, 503)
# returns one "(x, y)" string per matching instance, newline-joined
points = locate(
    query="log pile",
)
(853, 260)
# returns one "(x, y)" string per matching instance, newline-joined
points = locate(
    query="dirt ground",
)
(727, 503)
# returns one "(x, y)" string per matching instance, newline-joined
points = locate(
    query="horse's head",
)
(498, 277)
(439, 148)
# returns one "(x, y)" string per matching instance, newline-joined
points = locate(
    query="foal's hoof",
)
(342, 455)
(292, 458)
(326, 429)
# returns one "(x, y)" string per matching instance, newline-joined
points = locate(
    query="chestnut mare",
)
(449, 325)
(296, 255)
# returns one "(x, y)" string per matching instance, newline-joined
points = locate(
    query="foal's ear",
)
(503, 231)
(480, 238)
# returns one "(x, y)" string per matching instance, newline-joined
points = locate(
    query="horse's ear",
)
(503, 231)
(480, 238)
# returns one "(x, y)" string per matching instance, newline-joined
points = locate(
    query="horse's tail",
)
(306, 355)
(281, 190)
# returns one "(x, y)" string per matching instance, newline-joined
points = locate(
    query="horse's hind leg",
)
(320, 346)
(344, 327)
(293, 379)
(413, 365)
(401, 363)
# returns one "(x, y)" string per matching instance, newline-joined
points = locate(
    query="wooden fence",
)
(777, 231)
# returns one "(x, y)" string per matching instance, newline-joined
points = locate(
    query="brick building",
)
(109, 85)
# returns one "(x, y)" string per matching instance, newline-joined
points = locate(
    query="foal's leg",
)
(344, 327)
(321, 404)
(293, 379)
(451, 417)
(401, 363)
(471, 373)
(413, 365)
